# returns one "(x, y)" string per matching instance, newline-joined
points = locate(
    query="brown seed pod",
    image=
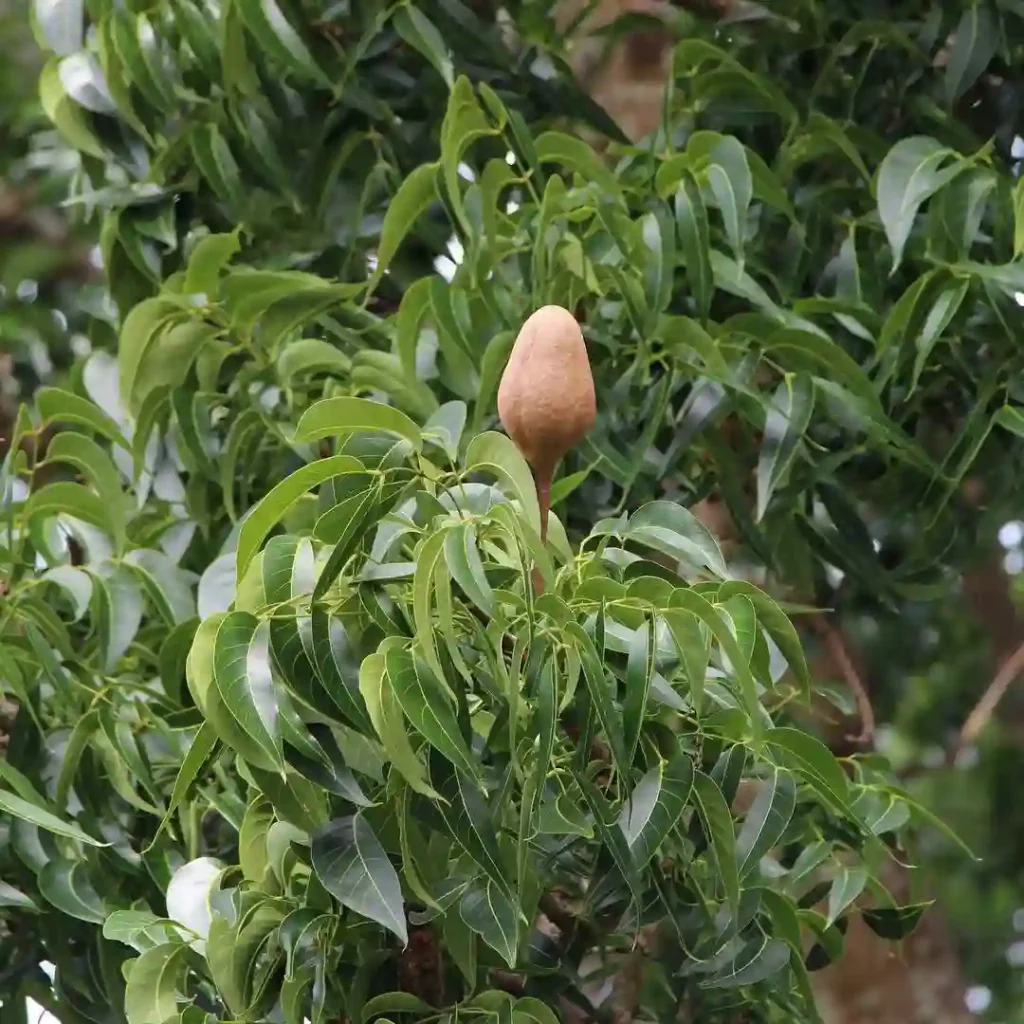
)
(546, 396)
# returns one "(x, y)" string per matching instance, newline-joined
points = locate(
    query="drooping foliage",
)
(298, 733)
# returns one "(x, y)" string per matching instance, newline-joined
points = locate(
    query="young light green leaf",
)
(499, 455)
(338, 417)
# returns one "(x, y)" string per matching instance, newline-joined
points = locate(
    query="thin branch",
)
(836, 647)
(982, 711)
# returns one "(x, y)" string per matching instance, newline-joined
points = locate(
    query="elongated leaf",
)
(602, 696)
(417, 193)
(36, 815)
(65, 884)
(499, 455)
(151, 995)
(846, 887)
(426, 706)
(786, 422)
(420, 32)
(975, 40)
(386, 715)
(336, 417)
(767, 819)
(675, 531)
(731, 184)
(716, 822)
(912, 171)
(695, 241)
(241, 672)
(270, 510)
(354, 868)
(467, 820)
(494, 916)
(655, 806)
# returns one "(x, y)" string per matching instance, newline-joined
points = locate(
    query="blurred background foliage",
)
(924, 657)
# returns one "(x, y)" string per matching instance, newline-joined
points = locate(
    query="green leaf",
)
(96, 466)
(695, 241)
(894, 923)
(422, 34)
(417, 193)
(946, 306)
(490, 912)
(912, 171)
(640, 671)
(65, 885)
(393, 1002)
(388, 722)
(309, 356)
(140, 330)
(206, 262)
(716, 822)
(35, 815)
(731, 184)
(811, 758)
(767, 819)
(467, 820)
(846, 887)
(611, 837)
(151, 996)
(57, 406)
(425, 705)
(786, 421)
(354, 868)
(499, 455)
(241, 672)
(676, 532)
(601, 691)
(68, 117)
(338, 417)
(280, 40)
(462, 557)
(655, 806)
(278, 500)
(200, 750)
(12, 897)
(464, 123)
(765, 958)
(71, 499)
(581, 157)
(975, 41)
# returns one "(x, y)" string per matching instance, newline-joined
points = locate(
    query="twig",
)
(982, 711)
(837, 650)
